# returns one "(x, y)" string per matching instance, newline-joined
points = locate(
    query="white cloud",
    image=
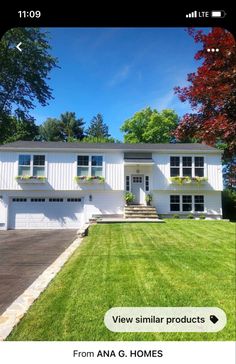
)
(121, 75)
(165, 101)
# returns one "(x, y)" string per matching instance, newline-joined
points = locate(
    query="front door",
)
(138, 187)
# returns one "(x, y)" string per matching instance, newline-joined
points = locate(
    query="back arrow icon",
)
(18, 46)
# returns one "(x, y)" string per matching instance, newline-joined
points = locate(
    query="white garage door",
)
(45, 213)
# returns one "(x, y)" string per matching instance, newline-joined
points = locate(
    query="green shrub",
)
(176, 216)
(129, 197)
(202, 217)
(190, 216)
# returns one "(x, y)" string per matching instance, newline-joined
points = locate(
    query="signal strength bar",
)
(193, 14)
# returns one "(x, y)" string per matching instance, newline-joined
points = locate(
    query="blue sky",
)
(117, 71)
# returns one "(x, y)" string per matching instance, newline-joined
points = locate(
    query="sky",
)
(117, 72)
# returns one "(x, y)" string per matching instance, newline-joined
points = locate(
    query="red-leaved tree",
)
(211, 94)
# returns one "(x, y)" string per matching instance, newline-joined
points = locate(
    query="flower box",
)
(89, 180)
(30, 179)
(188, 180)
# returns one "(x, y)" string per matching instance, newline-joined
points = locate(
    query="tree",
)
(211, 93)
(24, 75)
(50, 130)
(71, 127)
(97, 131)
(15, 129)
(91, 139)
(150, 126)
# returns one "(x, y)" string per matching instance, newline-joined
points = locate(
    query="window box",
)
(199, 180)
(31, 179)
(89, 179)
(180, 180)
(186, 180)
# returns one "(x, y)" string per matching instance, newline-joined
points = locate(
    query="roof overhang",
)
(138, 162)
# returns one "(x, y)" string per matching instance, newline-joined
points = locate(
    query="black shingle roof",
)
(25, 145)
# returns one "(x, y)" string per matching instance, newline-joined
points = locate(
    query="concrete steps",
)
(140, 212)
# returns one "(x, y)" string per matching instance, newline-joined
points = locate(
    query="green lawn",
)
(177, 263)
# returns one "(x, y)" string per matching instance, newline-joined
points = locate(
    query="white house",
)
(61, 185)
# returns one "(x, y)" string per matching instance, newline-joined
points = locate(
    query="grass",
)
(179, 263)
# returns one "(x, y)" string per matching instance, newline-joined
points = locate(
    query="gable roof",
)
(161, 147)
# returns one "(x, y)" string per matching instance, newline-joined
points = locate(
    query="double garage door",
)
(45, 213)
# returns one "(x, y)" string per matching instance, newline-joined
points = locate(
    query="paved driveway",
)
(24, 255)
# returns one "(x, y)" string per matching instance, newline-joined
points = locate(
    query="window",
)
(83, 165)
(39, 165)
(174, 166)
(137, 179)
(24, 165)
(146, 183)
(19, 199)
(187, 203)
(87, 166)
(199, 166)
(97, 165)
(55, 199)
(74, 199)
(31, 165)
(187, 166)
(174, 203)
(37, 199)
(127, 183)
(199, 203)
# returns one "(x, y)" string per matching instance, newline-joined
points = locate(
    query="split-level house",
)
(50, 185)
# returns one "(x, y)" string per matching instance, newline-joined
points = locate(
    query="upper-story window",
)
(174, 166)
(97, 161)
(186, 166)
(39, 165)
(199, 166)
(31, 165)
(90, 166)
(24, 165)
(83, 165)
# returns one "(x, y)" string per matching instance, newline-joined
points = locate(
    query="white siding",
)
(161, 171)
(214, 172)
(114, 173)
(109, 202)
(61, 170)
(3, 210)
(8, 171)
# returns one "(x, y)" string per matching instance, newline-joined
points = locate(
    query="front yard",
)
(178, 263)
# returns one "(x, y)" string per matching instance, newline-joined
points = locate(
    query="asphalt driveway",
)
(24, 255)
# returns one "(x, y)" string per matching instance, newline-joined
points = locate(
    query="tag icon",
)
(214, 319)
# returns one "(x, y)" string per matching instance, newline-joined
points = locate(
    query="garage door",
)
(45, 213)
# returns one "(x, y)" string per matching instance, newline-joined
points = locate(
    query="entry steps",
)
(140, 212)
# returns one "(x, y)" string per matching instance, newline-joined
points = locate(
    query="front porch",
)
(138, 171)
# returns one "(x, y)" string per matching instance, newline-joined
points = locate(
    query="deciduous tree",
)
(24, 75)
(211, 92)
(150, 126)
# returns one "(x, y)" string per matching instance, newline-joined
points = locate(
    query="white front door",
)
(137, 187)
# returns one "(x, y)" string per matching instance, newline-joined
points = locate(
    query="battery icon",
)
(218, 13)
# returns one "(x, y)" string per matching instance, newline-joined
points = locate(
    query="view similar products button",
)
(165, 319)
